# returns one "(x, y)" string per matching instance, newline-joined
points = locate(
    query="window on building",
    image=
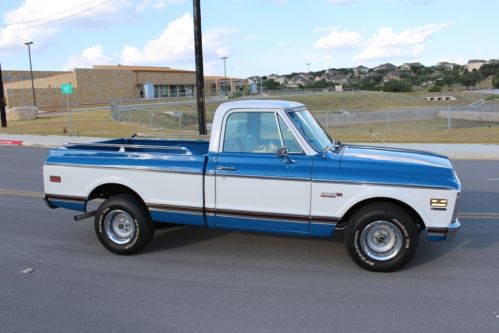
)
(181, 90)
(164, 91)
(173, 91)
(189, 90)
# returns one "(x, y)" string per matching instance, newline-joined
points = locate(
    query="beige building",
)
(104, 84)
(475, 64)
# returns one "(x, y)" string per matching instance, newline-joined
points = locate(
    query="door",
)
(256, 189)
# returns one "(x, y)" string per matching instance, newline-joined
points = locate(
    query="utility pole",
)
(308, 67)
(3, 116)
(198, 49)
(31, 71)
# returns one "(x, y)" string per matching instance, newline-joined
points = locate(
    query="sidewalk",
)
(452, 150)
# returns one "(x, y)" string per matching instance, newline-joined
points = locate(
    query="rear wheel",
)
(123, 225)
(381, 237)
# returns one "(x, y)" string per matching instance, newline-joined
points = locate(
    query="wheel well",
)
(108, 190)
(417, 218)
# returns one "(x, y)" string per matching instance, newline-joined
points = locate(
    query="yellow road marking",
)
(21, 193)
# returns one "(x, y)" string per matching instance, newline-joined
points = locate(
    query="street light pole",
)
(225, 68)
(31, 71)
(225, 74)
(308, 67)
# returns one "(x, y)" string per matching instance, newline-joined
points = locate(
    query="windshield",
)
(310, 129)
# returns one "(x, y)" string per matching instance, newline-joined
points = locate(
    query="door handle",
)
(224, 168)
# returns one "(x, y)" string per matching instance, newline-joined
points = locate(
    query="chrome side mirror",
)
(282, 152)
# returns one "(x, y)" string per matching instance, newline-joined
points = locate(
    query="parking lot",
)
(200, 280)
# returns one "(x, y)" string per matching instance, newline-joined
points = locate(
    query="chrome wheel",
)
(119, 227)
(381, 240)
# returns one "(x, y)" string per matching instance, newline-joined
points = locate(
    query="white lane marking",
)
(479, 216)
(492, 179)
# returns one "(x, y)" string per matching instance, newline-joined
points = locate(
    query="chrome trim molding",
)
(127, 168)
(59, 197)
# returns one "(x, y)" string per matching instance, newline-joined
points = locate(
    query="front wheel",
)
(123, 225)
(381, 237)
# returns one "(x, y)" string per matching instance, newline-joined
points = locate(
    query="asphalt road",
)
(199, 280)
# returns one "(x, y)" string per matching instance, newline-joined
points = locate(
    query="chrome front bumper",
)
(439, 234)
(453, 229)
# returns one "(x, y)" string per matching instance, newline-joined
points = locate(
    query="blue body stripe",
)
(78, 206)
(175, 217)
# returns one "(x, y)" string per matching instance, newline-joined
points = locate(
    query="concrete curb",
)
(11, 142)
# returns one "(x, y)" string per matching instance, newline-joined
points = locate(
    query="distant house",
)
(407, 66)
(475, 64)
(300, 79)
(360, 70)
(392, 75)
(444, 65)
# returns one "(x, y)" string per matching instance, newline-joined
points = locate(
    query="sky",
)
(259, 37)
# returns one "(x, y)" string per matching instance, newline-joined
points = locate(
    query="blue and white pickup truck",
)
(268, 167)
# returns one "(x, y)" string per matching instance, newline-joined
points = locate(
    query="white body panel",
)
(351, 194)
(152, 186)
(263, 195)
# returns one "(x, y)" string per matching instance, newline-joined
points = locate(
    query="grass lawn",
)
(424, 131)
(99, 123)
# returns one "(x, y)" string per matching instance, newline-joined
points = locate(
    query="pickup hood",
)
(394, 166)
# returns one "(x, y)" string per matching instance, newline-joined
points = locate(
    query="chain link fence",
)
(179, 116)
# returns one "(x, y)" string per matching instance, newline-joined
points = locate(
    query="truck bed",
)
(182, 147)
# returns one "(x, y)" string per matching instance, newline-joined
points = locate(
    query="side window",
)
(251, 132)
(288, 139)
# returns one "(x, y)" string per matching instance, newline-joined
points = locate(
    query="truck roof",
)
(259, 104)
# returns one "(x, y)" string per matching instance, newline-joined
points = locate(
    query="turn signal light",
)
(439, 203)
(55, 179)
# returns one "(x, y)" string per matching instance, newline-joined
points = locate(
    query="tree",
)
(492, 68)
(397, 86)
(320, 84)
(271, 85)
(371, 81)
(470, 79)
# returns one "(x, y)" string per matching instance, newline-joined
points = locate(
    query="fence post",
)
(327, 121)
(448, 125)
(388, 127)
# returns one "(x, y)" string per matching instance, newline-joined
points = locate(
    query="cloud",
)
(93, 55)
(389, 44)
(339, 39)
(41, 21)
(176, 43)
(157, 4)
